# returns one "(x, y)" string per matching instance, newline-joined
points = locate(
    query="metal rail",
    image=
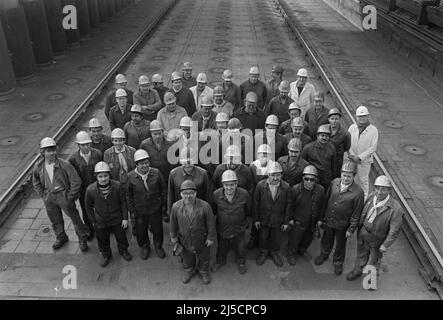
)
(10, 193)
(431, 252)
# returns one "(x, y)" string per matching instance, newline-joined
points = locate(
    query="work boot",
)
(319, 260)
(277, 260)
(126, 255)
(291, 260)
(187, 276)
(260, 259)
(160, 252)
(206, 278)
(353, 275)
(338, 269)
(145, 251)
(59, 243)
(242, 268)
(105, 260)
(91, 234)
(83, 244)
(306, 256)
(217, 266)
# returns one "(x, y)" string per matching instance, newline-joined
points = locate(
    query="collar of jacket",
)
(111, 186)
(137, 174)
(389, 204)
(184, 173)
(197, 204)
(321, 146)
(300, 187)
(125, 149)
(350, 188)
(223, 196)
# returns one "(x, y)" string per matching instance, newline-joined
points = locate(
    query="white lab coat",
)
(304, 100)
(364, 145)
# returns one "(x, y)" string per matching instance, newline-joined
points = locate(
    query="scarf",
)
(121, 159)
(373, 211)
(86, 156)
(105, 189)
(344, 188)
(273, 188)
(144, 178)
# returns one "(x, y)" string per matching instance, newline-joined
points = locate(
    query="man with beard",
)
(294, 111)
(184, 96)
(340, 137)
(273, 84)
(250, 116)
(201, 90)
(120, 83)
(292, 164)
(188, 79)
(170, 116)
(231, 90)
(253, 84)
(100, 141)
(317, 115)
(297, 127)
(302, 91)
(120, 113)
(280, 103)
(205, 117)
(147, 98)
(137, 129)
(157, 84)
(220, 104)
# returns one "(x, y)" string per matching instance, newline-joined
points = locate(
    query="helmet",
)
(174, 134)
(118, 133)
(362, 111)
(218, 90)
(176, 76)
(295, 144)
(349, 166)
(254, 70)
(310, 170)
(169, 97)
(227, 75)
(277, 69)
(334, 111)
(274, 167)
(101, 167)
(186, 122)
(120, 78)
(82, 138)
(155, 126)
(297, 122)
(157, 78)
(229, 175)
(264, 148)
(284, 86)
(207, 101)
(232, 151)
(47, 143)
(251, 96)
(302, 72)
(221, 117)
(234, 123)
(140, 154)
(188, 185)
(294, 106)
(120, 93)
(136, 108)
(326, 128)
(202, 78)
(382, 181)
(187, 66)
(143, 80)
(272, 119)
(95, 123)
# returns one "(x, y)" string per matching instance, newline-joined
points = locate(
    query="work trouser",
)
(368, 251)
(240, 248)
(143, 222)
(362, 177)
(54, 204)
(327, 243)
(300, 238)
(270, 240)
(190, 259)
(85, 217)
(103, 239)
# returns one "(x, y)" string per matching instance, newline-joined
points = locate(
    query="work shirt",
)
(314, 120)
(86, 169)
(152, 100)
(111, 101)
(233, 95)
(135, 134)
(323, 158)
(307, 211)
(158, 156)
(204, 123)
(304, 98)
(244, 176)
(185, 99)
(363, 145)
(279, 107)
(252, 121)
(104, 144)
(198, 96)
(259, 88)
(292, 172)
(171, 120)
(118, 119)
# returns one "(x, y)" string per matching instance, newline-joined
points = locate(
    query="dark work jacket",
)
(244, 176)
(110, 100)
(111, 158)
(193, 233)
(188, 83)
(269, 212)
(252, 121)
(198, 116)
(104, 144)
(314, 121)
(233, 95)
(317, 201)
(278, 146)
(161, 93)
(292, 174)
(259, 88)
(106, 212)
(323, 158)
(142, 201)
(343, 209)
(231, 216)
(158, 158)
(86, 170)
(136, 134)
(342, 142)
(117, 119)
(277, 107)
(185, 99)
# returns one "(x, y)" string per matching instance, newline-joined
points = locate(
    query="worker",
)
(255, 85)
(100, 141)
(84, 161)
(364, 140)
(220, 104)
(345, 201)
(193, 228)
(120, 113)
(157, 85)
(58, 184)
(188, 79)
(297, 128)
(120, 83)
(317, 115)
(271, 137)
(146, 194)
(250, 116)
(273, 84)
(279, 104)
(340, 137)
(221, 122)
(302, 91)
(231, 90)
(147, 98)
(235, 136)
(294, 111)
(272, 213)
(321, 154)
(201, 90)
(205, 117)
(170, 116)
(106, 207)
(292, 164)
(137, 129)
(184, 96)
(308, 199)
(232, 206)
(378, 228)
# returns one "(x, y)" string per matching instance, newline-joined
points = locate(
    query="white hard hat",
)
(254, 70)
(169, 97)
(264, 148)
(302, 72)
(82, 138)
(227, 75)
(310, 170)
(95, 123)
(221, 117)
(207, 101)
(187, 66)
(295, 144)
(101, 167)
(362, 111)
(120, 78)
(272, 119)
(284, 86)
(155, 125)
(136, 108)
(176, 76)
(274, 167)
(120, 93)
(143, 80)
(47, 143)
(382, 181)
(140, 155)
(118, 133)
(229, 175)
(297, 122)
(232, 151)
(186, 122)
(294, 106)
(157, 78)
(202, 78)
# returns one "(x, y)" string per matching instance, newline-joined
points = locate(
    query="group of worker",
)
(309, 174)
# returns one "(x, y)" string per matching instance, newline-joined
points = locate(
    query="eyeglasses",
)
(188, 193)
(309, 179)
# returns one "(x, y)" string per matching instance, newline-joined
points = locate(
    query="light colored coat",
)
(306, 95)
(364, 145)
(207, 92)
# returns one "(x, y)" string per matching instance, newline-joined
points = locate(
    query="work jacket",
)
(171, 120)
(111, 158)
(252, 121)
(198, 96)
(86, 170)
(323, 158)
(136, 134)
(117, 119)
(198, 116)
(314, 120)
(185, 99)
(308, 219)
(152, 100)
(111, 101)
(260, 90)
(104, 144)
(233, 95)
(279, 108)
(292, 172)
(158, 157)
(244, 176)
